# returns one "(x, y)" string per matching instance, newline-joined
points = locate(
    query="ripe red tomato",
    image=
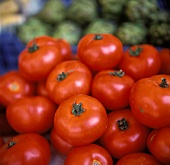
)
(59, 144)
(89, 154)
(100, 51)
(150, 101)
(80, 120)
(67, 79)
(36, 61)
(138, 158)
(112, 88)
(165, 61)
(158, 143)
(31, 114)
(25, 149)
(140, 61)
(13, 86)
(40, 89)
(124, 134)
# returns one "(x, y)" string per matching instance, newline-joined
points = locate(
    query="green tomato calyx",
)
(135, 52)
(11, 144)
(122, 124)
(164, 83)
(77, 109)
(98, 37)
(118, 73)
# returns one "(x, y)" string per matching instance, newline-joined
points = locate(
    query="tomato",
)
(31, 114)
(25, 149)
(165, 60)
(100, 51)
(14, 86)
(36, 61)
(40, 89)
(80, 120)
(112, 88)
(67, 79)
(141, 61)
(124, 134)
(5, 128)
(150, 101)
(1, 141)
(158, 143)
(91, 154)
(138, 158)
(59, 144)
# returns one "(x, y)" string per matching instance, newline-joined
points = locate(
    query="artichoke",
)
(52, 12)
(159, 34)
(32, 28)
(131, 33)
(68, 30)
(82, 11)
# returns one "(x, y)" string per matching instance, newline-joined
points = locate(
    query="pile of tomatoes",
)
(102, 106)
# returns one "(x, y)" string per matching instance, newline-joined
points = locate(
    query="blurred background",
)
(132, 21)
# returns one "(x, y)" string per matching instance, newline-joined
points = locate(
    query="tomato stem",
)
(77, 109)
(62, 76)
(33, 48)
(164, 83)
(135, 52)
(11, 143)
(122, 124)
(98, 37)
(118, 73)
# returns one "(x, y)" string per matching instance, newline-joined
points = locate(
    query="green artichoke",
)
(69, 31)
(131, 33)
(52, 12)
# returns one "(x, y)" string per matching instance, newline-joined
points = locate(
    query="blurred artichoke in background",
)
(82, 11)
(139, 10)
(131, 33)
(101, 25)
(159, 34)
(32, 28)
(53, 11)
(69, 31)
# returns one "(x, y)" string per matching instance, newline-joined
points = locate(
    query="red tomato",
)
(80, 120)
(158, 143)
(91, 154)
(124, 134)
(25, 149)
(36, 61)
(5, 128)
(100, 51)
(138, 159)
(13, 86)
(1, 142)
(112, 88)
(150, 101)
(165, 60)
(67, 79)
(140, 61)
(40, 89)
(31, 114)
(59, 144)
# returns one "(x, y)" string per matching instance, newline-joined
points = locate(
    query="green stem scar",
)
(164, 83)
(98, 37)
(77, 109)
(135, 52)
(118, 73)
(33, 48)
(122, 124)
(11, 144)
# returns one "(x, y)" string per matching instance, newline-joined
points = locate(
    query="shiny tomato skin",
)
(98, 54)
(77, 80)
(14, 86)
(40, 89)
(165, 61)
(91, 154)
(59, 144)
(147, 63)
(139, 158)
(111, 89)
(80, 120)
(158, 143)
(36, 61)
(120, 140)
(31, 114)
(150, 102)
(29, 149)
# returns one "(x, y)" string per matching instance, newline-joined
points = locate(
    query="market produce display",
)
(67, 111)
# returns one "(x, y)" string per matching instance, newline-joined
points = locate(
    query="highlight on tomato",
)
(31, 114)
(26, 149)
(89, 154)
(150, 101)
(14, 86)
(80, 120)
